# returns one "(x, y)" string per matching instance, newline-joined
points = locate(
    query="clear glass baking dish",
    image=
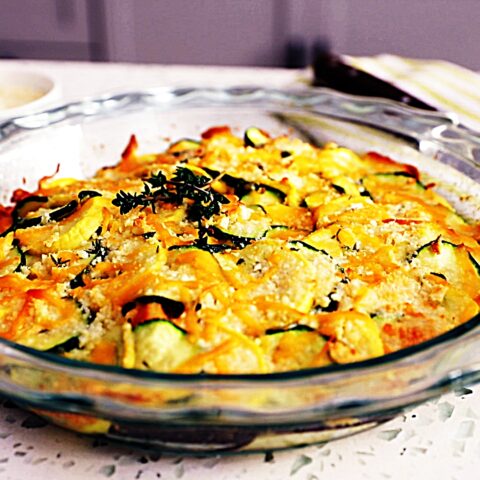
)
(203, 414)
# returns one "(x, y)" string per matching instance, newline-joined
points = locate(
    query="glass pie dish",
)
(209, 414)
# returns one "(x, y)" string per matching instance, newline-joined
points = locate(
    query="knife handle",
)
(330, 71)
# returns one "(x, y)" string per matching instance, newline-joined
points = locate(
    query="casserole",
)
(210, 413)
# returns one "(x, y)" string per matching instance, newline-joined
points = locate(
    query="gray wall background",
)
(238, 32)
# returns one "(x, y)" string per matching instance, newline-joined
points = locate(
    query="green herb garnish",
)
(98, 253)
(184, 187)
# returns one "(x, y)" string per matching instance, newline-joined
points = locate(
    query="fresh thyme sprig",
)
(58, 261)
(184, 187)
(98, 250)
(98, 253)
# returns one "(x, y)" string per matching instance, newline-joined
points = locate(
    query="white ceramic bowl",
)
(23, 92)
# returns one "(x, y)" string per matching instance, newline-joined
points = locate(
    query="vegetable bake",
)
(235, 255)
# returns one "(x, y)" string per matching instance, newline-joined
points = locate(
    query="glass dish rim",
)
(235, 97)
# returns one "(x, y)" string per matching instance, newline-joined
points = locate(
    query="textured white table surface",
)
(438, 440)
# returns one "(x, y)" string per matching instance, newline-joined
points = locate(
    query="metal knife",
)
(332, 72)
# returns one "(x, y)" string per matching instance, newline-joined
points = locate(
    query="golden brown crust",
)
(276, 257)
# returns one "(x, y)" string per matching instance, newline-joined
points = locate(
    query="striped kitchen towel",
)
(443, 85)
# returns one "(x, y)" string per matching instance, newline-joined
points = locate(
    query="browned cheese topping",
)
(235, 255)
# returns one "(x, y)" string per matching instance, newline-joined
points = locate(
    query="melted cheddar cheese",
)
(235, 255)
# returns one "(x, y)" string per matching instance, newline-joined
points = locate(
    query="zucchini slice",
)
(36, 316)
(451, 261)
(12, 258)
(56, 215)
(81, 226)
(400, 178)
(256, 138)
(263, 195)
(297, 244)
(58, 336)
(331, 162)
(171, 308)
(293, 275)
(239, 186)
(380, 183)
(282, 232)
(294, 348)
(345, 186)
(293, 328)
(326, 240)
(353, 336)
(211, 247)
(475, 263)
(236, 241)
(28, 204)
(184, 145)
(246, 222)
(161, 346)
(69, 234)
(294, 217)
(63, 212)
(86, 194)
